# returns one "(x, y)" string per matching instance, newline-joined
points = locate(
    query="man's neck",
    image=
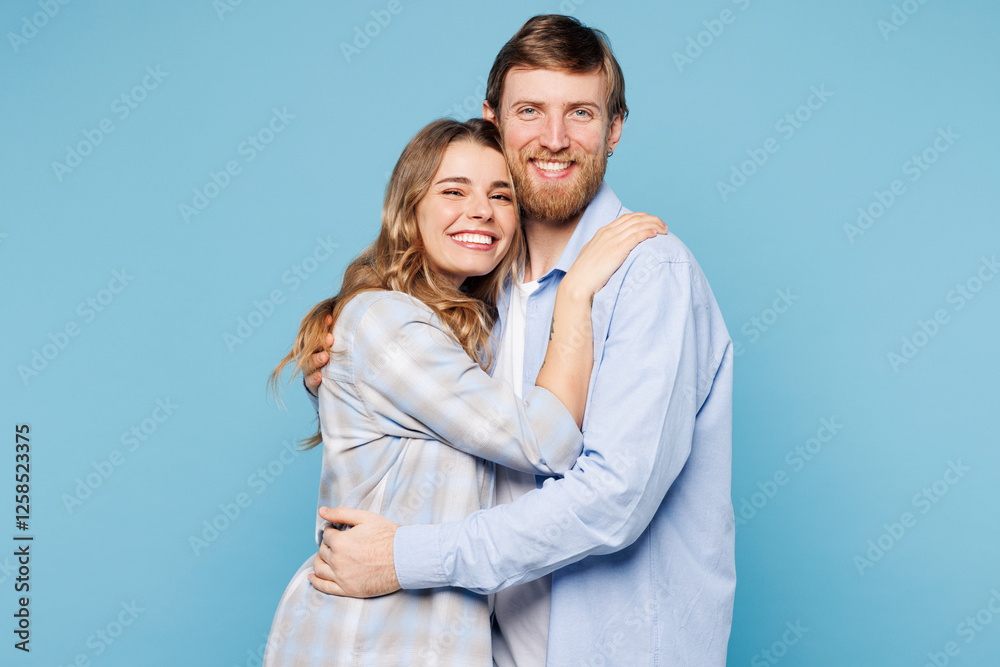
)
(546, 241)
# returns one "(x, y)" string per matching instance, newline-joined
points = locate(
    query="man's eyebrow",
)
(532, 103)
(580, 103)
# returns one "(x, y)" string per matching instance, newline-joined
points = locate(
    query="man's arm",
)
(638, 436)
(312, 371)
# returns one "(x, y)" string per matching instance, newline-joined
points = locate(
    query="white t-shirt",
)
(521, 633)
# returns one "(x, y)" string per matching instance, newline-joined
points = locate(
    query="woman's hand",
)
(602, 255)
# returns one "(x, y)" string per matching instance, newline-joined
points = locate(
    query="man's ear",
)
(488, 113)
(615, 132)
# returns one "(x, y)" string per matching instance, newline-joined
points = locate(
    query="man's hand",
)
(356, 562)
(313, 370)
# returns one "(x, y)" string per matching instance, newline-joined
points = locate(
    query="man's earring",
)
(610, 153)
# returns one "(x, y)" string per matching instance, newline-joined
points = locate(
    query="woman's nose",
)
(479, 207)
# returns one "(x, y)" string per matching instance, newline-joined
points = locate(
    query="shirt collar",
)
(601, 210)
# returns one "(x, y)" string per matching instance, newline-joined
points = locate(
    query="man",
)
(639, 536)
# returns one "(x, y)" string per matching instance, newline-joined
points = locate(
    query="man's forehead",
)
(544, 84)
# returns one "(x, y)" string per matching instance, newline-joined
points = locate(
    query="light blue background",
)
(163, 336)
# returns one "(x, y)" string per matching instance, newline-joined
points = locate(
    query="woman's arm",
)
(569, 358)
(414, 380)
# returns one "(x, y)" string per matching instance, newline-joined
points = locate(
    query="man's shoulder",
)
(665, 248)
(664, 264)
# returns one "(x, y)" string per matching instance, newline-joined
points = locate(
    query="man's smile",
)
(552, 167)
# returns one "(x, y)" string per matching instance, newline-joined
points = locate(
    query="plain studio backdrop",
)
(182, 182)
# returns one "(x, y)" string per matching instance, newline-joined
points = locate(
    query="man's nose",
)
(554, 134)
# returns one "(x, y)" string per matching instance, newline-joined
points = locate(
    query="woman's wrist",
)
(572, 291)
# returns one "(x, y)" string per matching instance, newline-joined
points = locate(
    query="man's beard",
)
(542, 199)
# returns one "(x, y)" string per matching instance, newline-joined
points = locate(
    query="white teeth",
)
(473, 238)
(551, 165)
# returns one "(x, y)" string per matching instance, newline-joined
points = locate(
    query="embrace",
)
(525, 402)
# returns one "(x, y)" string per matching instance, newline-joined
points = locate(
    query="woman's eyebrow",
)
(465, 181)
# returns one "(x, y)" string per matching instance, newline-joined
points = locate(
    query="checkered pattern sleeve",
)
(417, 381)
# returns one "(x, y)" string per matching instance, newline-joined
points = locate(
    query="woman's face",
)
(467, 219)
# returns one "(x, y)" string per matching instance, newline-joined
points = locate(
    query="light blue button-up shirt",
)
(640, 533)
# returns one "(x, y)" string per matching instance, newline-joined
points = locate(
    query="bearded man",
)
(629, 558)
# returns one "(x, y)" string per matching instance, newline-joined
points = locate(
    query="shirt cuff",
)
(417, 554)
(312, 399)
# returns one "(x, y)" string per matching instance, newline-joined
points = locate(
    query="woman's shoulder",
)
(383, 309)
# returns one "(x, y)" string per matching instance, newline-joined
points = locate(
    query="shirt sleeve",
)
(637, 437)
(417, 381)
(313, 399)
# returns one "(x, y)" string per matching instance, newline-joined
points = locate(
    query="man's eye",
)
(581, 113)
(529, 112)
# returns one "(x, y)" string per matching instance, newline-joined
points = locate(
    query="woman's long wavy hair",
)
(398, 261)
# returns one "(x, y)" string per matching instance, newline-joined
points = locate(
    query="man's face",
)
(557, 134)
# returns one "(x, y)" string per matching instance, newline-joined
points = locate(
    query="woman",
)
(409, 418)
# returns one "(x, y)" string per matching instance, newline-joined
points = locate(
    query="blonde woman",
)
(410, 420)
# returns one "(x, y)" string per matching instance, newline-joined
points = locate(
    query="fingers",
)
(315, 362)
(313, 382)
(630, 223)
(344, 515)
(325, 586)
(321, 566)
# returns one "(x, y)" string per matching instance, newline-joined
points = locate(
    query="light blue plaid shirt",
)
(642, 527)
(407, 420)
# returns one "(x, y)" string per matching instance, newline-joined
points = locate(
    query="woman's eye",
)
(452, 192)
(502, 197)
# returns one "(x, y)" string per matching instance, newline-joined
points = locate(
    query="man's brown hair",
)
(555, 41)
